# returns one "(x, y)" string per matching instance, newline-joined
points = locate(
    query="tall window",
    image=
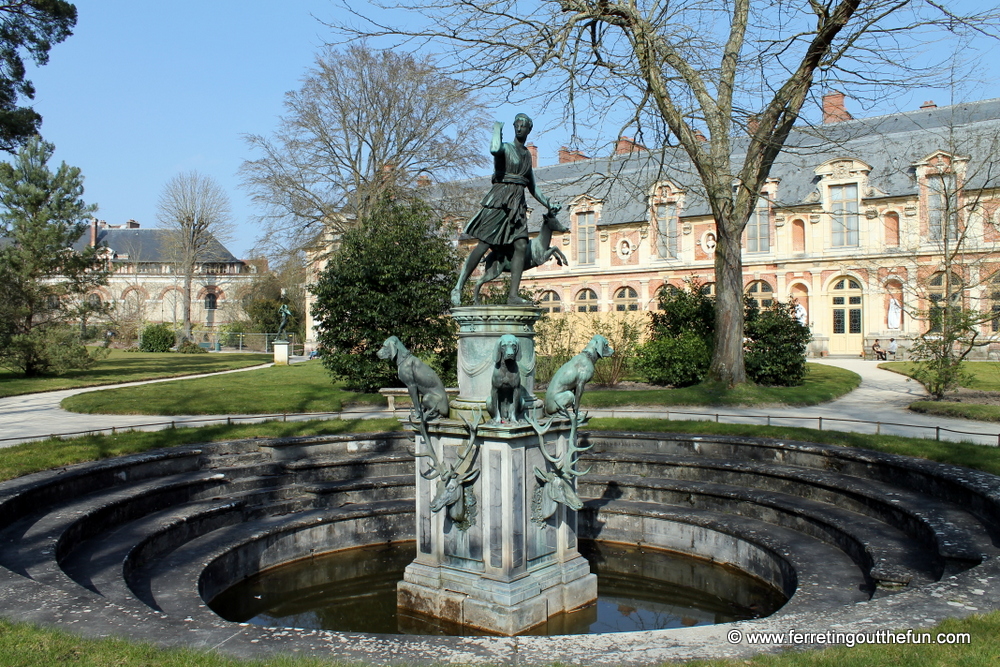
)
(759, 228)
(586, 238)
(666, 230)
(844, 206)
(211, 301)
(941, 293)
(586, 301)
(761, 292)
(995, 303)
(550, 302)
(626, 299)
(942, 216)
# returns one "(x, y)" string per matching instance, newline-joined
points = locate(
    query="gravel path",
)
(882, 397)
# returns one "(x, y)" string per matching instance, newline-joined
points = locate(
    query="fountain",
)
(496, 521)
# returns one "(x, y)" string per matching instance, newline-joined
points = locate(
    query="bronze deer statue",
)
(539, 251)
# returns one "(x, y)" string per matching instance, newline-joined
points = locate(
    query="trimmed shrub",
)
(157, 338)
(776, 345)
(188, 347)
(680, 349)
(678, 361)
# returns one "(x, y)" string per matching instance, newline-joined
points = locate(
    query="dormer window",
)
(586, 237)
(666, 202)
(759, 228)
(844, 210)
(666, 230)
(942, 213)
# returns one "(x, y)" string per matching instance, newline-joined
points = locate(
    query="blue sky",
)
(145, 90)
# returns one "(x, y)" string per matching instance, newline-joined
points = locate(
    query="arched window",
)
(626, 299)
(761, 292)
(94, 300)
(938, 287)
(708, 289)
(211, 301)
(550, 302)
(586, 301)
(847, 306)
(666, 289)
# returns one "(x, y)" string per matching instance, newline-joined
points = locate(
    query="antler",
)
(436, 467)
(572, 452)
(465, 460)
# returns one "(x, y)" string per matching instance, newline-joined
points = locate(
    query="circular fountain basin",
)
(638, 589)
(855, 540)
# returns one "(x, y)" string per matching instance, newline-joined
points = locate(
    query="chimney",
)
(533, 149)
(834, 110)
(627, 145)
(929, 104)
(93, 232)
(567, 155)
(700, 136)
(423, 180)
(131, 224)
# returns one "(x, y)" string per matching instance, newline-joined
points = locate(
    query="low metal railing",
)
(992, 439)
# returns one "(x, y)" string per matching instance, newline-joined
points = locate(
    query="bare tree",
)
(196, 210)
(364, 124)
(724, 79)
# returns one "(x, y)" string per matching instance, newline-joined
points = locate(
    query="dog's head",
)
(600, 347)
(390, 348)
(508, 347)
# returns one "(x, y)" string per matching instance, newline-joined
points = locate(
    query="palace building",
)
(147, 285)
(857, 223)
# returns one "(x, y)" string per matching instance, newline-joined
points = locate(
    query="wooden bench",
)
(392, 393)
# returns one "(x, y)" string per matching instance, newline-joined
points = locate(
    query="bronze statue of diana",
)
(502, 220)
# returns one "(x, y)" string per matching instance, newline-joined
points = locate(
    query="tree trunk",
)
(188, 279)
(727, 361)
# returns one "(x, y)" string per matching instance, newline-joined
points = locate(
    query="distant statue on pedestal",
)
(502, 222)
(285, 312)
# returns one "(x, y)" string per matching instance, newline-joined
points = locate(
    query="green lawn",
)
(306, 387)
(24, 645)
(985, 377)
(822, 383)
(302, 387)
(122, 366)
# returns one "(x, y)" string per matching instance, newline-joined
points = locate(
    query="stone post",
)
(281, 352)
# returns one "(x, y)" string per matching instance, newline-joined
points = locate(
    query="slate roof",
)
(890, 144)
(149, 245)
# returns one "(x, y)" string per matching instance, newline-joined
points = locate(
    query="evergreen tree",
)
(26, 27)
(391, 275)
(44, 280)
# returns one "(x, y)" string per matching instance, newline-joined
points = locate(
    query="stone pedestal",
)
(281, 352)
(505, 573)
